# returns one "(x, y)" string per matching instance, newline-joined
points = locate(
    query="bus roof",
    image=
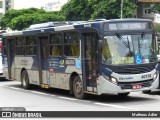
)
(130, 19)
(69, 25)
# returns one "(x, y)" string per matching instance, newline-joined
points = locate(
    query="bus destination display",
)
(126, 26)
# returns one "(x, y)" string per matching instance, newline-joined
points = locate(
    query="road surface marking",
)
(83, 100)
(29, 91)
(41, 93)
(67, 98)
(117, 106)
(147, 95)
(15, 88)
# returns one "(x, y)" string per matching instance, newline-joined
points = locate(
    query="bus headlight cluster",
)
(111, 79)
(155, 75)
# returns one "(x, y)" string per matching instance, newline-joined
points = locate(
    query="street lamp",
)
(121, 9)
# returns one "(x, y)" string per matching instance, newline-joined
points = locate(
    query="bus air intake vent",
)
(128, 85)
(132, 69)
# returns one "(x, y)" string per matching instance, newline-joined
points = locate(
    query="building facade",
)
(5, 5)
(54, 6)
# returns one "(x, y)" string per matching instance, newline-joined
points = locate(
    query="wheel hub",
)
(78, 87)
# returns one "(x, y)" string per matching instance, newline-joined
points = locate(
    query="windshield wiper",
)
(139, 45)
(128, 44)
(122, 40)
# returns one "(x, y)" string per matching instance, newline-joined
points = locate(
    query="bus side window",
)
(56, 50)
(20, 45)
(56, 47)
(31, 45)
(71, 43)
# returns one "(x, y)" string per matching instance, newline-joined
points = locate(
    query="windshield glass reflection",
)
(128, 49)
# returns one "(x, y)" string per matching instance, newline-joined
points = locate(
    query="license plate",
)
(136, 86)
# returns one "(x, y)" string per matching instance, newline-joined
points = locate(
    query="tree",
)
(11, 14)
(24, 21)
(110, 9)
(92, 9)
(21, 19)
(76, 10)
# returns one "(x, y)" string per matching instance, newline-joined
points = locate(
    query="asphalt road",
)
(38, 99)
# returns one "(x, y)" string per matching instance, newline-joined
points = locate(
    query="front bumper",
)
(106, 87)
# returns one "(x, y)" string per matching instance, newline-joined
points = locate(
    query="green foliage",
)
(110, 9)
(155, 6)
(24, 21)
(157, 27)
(92, 9)
(76, 10)
(11, 14)
(21, 19)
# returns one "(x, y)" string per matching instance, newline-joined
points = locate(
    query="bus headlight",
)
(111, 79)
(155, 76)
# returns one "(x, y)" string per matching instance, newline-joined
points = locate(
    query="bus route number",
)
(146, 76)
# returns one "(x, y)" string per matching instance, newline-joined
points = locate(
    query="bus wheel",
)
(123, 94)
(25, 80)
(147, 92)
(78, 88)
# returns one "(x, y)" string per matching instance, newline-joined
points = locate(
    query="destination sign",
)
(126, 26)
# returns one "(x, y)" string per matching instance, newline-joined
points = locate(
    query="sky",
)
(19, 4)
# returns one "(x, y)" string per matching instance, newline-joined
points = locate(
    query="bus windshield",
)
(129, 49)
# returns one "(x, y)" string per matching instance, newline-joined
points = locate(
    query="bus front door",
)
(11, 55)
(43, 56)
(90, 61)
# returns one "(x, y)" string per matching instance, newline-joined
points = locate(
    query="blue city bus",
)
(96, 57)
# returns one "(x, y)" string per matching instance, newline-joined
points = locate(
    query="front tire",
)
(25, 80)
(78, 88)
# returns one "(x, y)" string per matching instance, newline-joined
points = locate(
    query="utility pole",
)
(121, 9)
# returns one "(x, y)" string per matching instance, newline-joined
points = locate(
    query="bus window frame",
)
(24, 45)
(35, 45)
(79, 39)
(59, 44)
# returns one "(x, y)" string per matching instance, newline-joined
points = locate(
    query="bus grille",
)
(128, 85)
(132, 69)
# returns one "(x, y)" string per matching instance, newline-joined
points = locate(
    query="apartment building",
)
(54, 6)
(5, 5)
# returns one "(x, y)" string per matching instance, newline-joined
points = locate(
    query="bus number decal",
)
(146, 76)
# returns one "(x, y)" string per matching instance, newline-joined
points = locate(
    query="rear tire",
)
(25, 80)
(147, 92)
(78, 88)
(123, 94)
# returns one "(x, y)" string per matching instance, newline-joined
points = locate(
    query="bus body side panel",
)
(32, 69)
(60, 71)
(19, 64)
(30, 65)
(5, 67)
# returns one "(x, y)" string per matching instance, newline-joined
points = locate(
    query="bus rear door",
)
(11, 55)
(43, 56)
